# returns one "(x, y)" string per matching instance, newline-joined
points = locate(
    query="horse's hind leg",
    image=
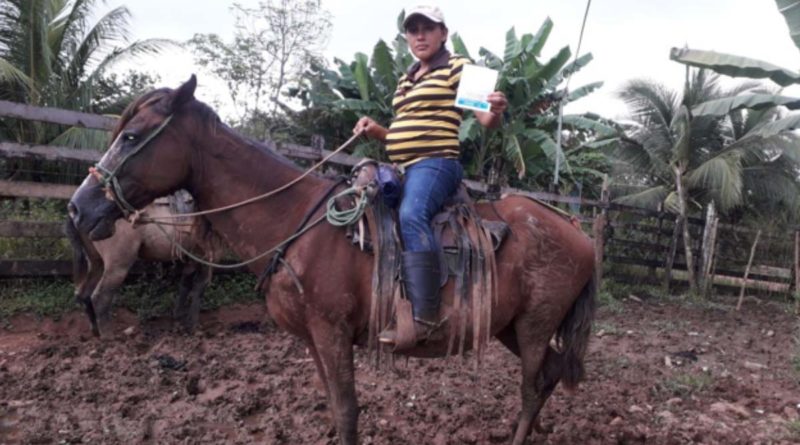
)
(532, 340)
(194, 279)
(549, 374)
(334, 350)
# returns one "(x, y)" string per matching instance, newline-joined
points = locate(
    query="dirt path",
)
(659, 373)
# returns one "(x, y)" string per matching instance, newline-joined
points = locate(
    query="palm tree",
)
(736, 159)
(53, 54)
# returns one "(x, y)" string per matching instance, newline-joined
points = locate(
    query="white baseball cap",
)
(432, 13)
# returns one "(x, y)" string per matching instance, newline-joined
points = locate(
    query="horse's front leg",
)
(333, 346)
(114, 274)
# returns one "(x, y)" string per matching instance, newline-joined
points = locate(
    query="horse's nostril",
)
(73, 212)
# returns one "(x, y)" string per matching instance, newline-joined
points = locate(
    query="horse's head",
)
(149, 157)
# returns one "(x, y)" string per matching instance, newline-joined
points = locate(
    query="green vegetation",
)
(522, 153)
(37, 210)
(50, 297)
(149, 298)
(55, 53)
(272, 45)
(606, 328)
(684, 385)
(793, 428)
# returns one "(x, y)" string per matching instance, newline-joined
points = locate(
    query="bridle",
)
(108, 175)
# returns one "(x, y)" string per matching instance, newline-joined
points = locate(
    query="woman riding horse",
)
(423, 138)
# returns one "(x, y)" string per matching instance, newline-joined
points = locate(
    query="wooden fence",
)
(634, 244)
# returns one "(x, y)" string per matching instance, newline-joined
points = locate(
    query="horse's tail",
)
(79, 261)
(573, 335)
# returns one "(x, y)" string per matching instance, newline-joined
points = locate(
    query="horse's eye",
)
(129, 137)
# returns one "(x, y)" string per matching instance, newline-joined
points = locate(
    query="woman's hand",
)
(370, 128)
(492, 118)
(498, 102)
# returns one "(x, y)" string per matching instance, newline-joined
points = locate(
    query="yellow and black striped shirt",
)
(426, 119)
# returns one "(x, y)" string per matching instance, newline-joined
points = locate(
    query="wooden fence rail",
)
(626, 236)
(56, 116)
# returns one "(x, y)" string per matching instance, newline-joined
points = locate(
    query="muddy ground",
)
(659, 372)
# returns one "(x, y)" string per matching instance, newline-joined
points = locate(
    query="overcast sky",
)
(628, 38)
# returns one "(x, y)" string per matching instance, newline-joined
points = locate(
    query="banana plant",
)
(527, 143)
(737, 66)
(363, 87)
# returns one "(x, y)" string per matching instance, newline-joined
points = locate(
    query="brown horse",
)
(100, 267)
(168, 140)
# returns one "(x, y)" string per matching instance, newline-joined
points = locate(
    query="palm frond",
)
(651, 103)
(721, 178)
(77, 137)
(650, 198)
(111, 29)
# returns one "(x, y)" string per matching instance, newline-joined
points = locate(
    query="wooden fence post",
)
(747, 270)
(673, 248)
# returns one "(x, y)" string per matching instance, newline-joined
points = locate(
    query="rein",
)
(147, 219)
(108, 177)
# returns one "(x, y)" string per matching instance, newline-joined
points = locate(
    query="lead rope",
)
(148, 219)
(334, 216)
(200, 260)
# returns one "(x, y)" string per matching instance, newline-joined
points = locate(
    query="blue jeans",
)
(428, 183)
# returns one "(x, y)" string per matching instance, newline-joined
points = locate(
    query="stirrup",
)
(422, 330)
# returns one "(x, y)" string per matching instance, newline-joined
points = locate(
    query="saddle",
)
(466, 243)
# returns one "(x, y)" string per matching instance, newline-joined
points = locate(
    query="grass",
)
(793, 427)
(684, 385)
(36, 210)
(50, 297)
(150, 295)
(613, 292)
(606, 327)
(33, 209)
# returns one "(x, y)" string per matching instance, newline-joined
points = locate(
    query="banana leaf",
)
(513, 151)
(513, 46)
(459, 47)
(721, 107)
(735, 66)
(773, 128)
(791, 12)
(384, 67)
(583, 91)
(361, 73)
(536, 45)
(584, 123)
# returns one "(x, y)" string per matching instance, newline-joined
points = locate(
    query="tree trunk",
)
(687, 240)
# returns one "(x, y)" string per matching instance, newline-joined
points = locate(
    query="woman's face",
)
(425, 37)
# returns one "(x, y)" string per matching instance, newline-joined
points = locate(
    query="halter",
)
(109, 177)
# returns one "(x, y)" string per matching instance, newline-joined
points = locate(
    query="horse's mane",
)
(206, 115)
(133, 108)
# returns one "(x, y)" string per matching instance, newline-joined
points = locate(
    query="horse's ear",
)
(183, 94)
